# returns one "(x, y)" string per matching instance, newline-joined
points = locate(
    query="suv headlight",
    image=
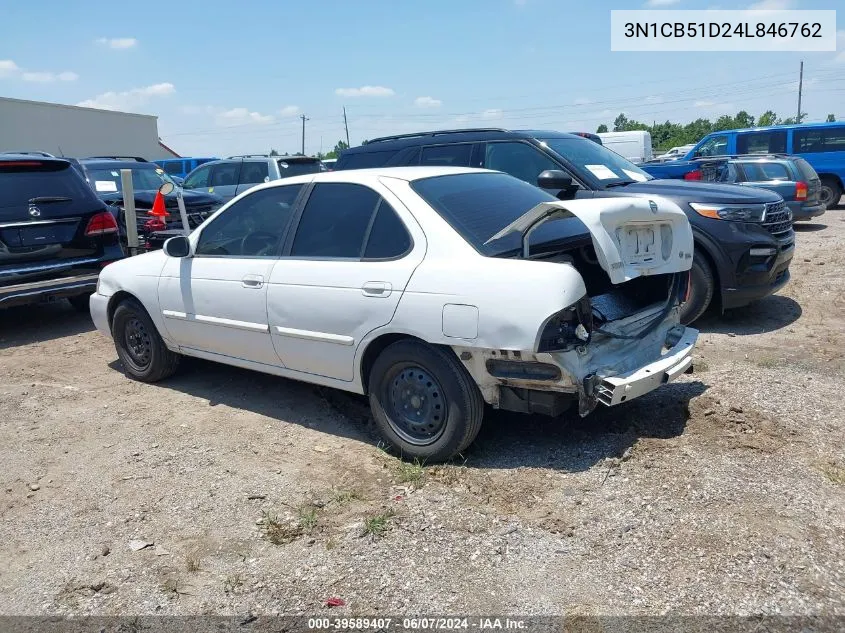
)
(732, 212)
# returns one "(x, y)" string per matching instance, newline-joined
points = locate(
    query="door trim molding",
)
(232, 323)
(323, 337)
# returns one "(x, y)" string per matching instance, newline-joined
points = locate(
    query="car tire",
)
(702, 289)
(441, 405)
(80, 303)
(831, 192)
(139, 346)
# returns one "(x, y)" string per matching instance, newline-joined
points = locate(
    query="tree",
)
(273, 152)
(620, 123)
(743, 119)
(338, 148)
(768, 118)
(601, 129)
(831, 118)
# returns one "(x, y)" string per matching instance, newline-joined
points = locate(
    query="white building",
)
(66, 130)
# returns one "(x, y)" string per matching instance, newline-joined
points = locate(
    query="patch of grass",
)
(331, 544)
(410, 472)
(377, 525)
(307, 519)
(836, 474)
(449, 475)
(232, 582)
(192, 562)
(345, 496)
(279, 532)
(767, 362)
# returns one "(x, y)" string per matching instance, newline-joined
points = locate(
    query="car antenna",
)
(61, 153)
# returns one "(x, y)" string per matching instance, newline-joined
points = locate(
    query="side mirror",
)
(166, 188)
(178, 246)
(554, 179)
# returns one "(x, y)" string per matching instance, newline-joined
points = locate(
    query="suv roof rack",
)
(250, 156)
(30, 153)
(435, 133)
(744, 156)
(137, 159)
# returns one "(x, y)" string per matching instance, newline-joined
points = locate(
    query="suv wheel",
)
(702, 288)
(830, 193)
(139, 346)
(424, 402)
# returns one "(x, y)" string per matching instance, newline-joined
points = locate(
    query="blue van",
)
(820, 144)
(181, 167)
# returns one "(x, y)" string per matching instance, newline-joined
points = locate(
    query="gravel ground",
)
(223, 491)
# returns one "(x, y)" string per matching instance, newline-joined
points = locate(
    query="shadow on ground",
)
(766, 315)
(24, 325)
(507, 440)
(808, 227)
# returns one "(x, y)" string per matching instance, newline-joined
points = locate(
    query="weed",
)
(767, 362)
(377, 525)
(410, 472)
(836, 474)
(307, 519)
(232, 582)
(345, 496)
(278, 532)
(192, 562)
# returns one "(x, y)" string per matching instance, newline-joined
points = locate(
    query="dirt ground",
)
(222, 491)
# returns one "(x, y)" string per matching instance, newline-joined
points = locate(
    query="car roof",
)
(108, 163)
(400, 141)
(782, 126)
(409, 174)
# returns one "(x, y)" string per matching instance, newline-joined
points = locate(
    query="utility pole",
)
(304, 119)
(800, 87)
(346, 125)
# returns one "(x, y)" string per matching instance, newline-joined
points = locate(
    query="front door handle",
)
(376, 289)
(252, 281)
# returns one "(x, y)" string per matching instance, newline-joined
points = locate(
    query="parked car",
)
(792, 178)
(147, 178)
(675, 153)
(820, 144)
(425, 288)
(634, 145)
(55, 234)
(329, 163)
(743, 236)
(181, 167)
(234, 175)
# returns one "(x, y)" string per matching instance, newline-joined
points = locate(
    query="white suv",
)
(431, 289)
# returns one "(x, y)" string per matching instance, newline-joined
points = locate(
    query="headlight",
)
(733, 212)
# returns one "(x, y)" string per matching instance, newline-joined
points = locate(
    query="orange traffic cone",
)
(158, 206)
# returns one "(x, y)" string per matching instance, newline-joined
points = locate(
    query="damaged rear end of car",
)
(622, 337)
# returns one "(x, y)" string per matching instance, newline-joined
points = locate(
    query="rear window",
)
(479, 205)
(290, 168)
(21, 183)
(819, 140)
(806, 170)
(364, 160)
(764, 172)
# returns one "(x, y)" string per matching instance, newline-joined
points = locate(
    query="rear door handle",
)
(252, 281)
(376, 289)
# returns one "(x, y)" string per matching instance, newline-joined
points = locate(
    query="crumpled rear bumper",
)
(613, 390)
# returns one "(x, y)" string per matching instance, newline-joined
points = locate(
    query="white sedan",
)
(431, 289)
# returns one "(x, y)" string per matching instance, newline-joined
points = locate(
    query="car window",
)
(762, 172)
(714, 146)
(449, 155)
(173, 167)
(718, 172)
(335, 221)
(807, 171)
(518, 159)
(771, 142)
(109, 181)
(388, 236)
(252, 227)
(254, 172)
(198, 179)
(224, 174)
(819, 140)
(288, 168)
(364, 160)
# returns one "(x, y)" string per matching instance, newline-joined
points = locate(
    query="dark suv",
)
(743, 236)
(55, 234)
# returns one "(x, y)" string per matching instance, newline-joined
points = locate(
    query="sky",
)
(234, 77)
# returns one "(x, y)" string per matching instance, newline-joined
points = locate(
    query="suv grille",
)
(778, 219)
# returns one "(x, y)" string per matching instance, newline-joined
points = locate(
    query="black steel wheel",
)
(139, 346)
(424, 402)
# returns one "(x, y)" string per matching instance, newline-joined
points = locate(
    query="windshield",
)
(595, 162)
(479, 205)
(108, 180)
